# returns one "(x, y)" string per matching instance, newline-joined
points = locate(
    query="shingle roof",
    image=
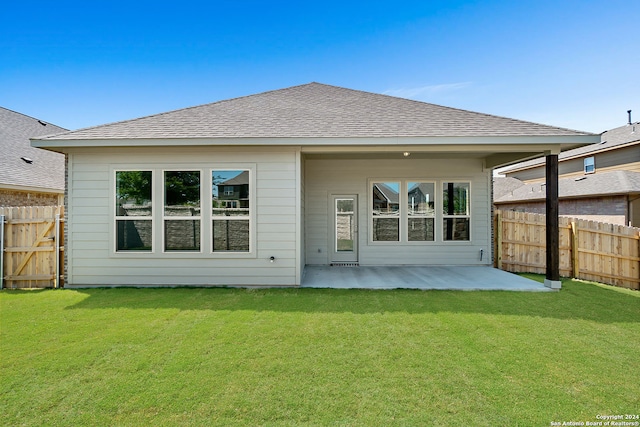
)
(46, 169)
(505, 185)
(316, 110)
(240, 179)
(598, 184)
(612, 138)
(389, 193)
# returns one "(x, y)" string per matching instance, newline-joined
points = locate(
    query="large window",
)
(420, 211)
(386, 211)
(409, 210)
(455, 211)
(230, 210)
(134, 211)
(182, 211)
(208, 211)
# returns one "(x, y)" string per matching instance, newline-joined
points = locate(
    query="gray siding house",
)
(598, 182)
(312, 163)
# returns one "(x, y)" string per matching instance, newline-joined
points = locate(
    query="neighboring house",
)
(331, 176)
(599, 182)
(385, 199)
(234, 192)
(28, 176)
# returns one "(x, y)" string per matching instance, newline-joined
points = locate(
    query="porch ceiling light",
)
(406, 154)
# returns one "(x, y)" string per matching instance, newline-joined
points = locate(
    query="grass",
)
(285, 357)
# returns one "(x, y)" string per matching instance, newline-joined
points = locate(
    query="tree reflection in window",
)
(182, 210)
(134, 211)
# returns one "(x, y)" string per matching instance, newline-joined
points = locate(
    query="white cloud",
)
(430, 90)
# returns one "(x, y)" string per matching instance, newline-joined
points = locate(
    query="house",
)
(599, 182)
(233, 192)
(318, 175)
(28, 176)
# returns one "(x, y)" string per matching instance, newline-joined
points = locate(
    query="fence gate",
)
(31, 243)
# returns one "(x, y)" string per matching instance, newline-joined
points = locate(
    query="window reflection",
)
(386, 211)
(182, 210)
(230, 210)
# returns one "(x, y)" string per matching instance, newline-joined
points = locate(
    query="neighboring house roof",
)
(240, 179)
(421, 187)
(505, 185)
(593, 185)
(617, 137)
(389, 193)
(24, 166)
(316, 110)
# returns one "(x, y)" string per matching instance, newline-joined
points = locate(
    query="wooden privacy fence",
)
(31, 247)
(589, 250)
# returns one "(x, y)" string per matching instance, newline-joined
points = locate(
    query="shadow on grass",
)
(576, 300)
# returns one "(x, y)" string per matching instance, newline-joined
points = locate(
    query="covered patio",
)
(461, 278)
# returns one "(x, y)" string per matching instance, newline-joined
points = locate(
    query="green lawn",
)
(318, 357)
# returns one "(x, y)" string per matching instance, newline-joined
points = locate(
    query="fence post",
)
(1, 251)
(575, 263)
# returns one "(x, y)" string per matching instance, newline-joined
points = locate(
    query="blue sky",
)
(572, 64)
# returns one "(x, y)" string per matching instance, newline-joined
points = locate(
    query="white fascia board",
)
(31, 189)
(564, 141)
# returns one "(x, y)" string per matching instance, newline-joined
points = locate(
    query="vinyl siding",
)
(93, 261)
(301, 242)
(325, 177)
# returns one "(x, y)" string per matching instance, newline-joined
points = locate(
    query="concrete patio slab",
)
(463, 278)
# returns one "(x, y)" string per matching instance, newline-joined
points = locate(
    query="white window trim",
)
(165, 218)
(405, 193)
(438, 217)
(444, 216)
(371, 216)
(252, 211)
(116, 218)
(593, 164)
(206, 216)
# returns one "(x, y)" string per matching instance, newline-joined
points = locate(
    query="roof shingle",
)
(46, 169)
(623, 135)
(315, 110)
(598, 184)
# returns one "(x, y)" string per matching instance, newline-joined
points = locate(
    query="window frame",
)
(372, 216)
(250, 217)
(591, 164)
(444, 216)
(113, 207)
(403, 215)
(164, 217)
(432, 216)
(206, 218)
